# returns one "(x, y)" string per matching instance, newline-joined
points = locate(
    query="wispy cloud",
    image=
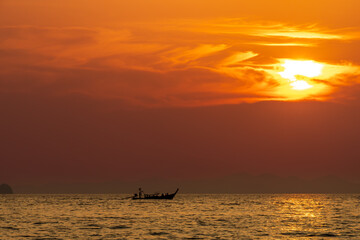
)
(177, 63)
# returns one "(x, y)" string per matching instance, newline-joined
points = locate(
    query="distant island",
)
(5, 189)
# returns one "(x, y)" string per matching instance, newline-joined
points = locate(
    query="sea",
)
(187, 216)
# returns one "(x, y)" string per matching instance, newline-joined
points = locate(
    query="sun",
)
(300, 85)
(298, 72)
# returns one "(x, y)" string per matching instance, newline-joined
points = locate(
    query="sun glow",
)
(297, 71)
(300, 85)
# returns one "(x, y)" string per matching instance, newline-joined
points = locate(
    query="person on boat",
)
(141, 193)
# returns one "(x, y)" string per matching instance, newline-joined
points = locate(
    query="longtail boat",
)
(141, 195)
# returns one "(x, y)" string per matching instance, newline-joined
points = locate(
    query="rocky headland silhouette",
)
(5, 189)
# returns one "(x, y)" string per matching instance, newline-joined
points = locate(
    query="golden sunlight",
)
(295, 70)
(300, 85)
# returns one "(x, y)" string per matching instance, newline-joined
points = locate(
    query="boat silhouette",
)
(142, 195)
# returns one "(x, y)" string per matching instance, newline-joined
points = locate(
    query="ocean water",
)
(188, 216)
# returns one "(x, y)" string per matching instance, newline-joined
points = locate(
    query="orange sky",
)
(152, 53)
(165, 55)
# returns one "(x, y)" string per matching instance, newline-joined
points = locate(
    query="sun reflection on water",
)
(188, 216)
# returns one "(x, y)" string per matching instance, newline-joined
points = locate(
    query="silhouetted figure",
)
(141, 193)
(5, 189)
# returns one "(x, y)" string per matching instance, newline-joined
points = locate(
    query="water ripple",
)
(254, 216)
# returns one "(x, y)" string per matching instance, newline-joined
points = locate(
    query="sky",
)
(95, 91)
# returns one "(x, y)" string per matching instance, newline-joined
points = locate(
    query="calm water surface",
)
(188, 216)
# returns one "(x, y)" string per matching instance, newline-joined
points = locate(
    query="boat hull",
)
(157, 197)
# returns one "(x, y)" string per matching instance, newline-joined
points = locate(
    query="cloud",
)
(238, 57)
(181, 63)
